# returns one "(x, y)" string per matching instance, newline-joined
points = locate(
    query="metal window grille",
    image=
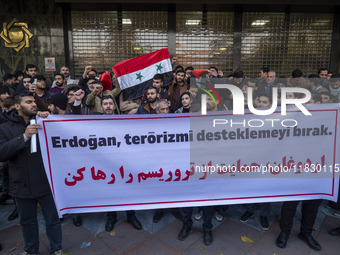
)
(285, 42)
(205, 40)
(262, 42)
(102, 39)
(143, 32)
(309, 44)
(279, 40)
(94, 36)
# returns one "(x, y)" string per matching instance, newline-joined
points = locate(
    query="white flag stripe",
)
(130, 80)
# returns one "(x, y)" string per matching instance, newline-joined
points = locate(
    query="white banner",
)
(115, 163)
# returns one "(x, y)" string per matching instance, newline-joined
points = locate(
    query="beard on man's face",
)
(152, 100)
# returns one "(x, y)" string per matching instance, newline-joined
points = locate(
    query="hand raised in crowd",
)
(32, 88)
(88, 68)
(220, 73)
(31, 130)
(79, 95)
(43, 114)
(86, 71)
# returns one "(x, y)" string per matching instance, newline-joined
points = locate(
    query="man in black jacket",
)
(108, 107)
(28, 182)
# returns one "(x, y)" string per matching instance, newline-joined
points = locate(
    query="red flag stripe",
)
(139, 63)
(198, 72)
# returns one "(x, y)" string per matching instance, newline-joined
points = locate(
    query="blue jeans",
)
(27, 210)
(208, 212)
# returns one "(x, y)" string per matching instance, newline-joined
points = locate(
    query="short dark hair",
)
(214, 68)
(180, 71)
(265, 95)
(105, 98)
(18, 97)
(4, 90)
(316, 97)
(91, 77)
(179, 67)
(150, 88)
(238, 74)
(297, 73)
(185, 93)
(72, 88)
(7, 76)
(265, 69)
(322, 69)
(60, 74)
(189, 68)
(18, 73)
(252, 80)
(327, 93)
(159, 76)
(8, 102)
(93, 70)
(26, 76)
(38, 77)
(29, 66)
(96, 81)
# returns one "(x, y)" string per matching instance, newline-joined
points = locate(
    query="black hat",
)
(59, 100)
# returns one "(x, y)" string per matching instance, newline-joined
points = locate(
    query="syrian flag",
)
(135, 75)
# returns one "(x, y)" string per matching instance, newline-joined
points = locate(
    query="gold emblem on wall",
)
(16, 35)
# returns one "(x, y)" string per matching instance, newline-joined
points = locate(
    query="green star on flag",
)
(139, 76)
(136, 74)
(159, 67)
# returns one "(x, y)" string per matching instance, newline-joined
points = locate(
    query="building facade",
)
(230, 35)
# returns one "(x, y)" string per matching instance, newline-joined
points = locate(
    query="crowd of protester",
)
(25, 94)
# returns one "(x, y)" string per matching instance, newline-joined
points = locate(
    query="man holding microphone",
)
(28, 182)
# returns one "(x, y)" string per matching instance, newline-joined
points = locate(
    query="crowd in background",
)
(100, 93)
